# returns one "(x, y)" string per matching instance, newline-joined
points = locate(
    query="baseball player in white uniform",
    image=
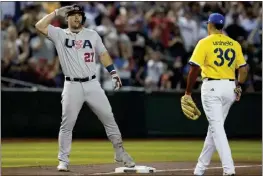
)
(77, 49)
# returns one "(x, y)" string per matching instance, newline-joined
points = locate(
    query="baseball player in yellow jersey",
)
(217, 56)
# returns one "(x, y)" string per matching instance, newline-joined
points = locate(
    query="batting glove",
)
(63, 11)
(238, 91)
(116, 80)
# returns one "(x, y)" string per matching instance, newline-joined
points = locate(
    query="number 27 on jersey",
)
(89, 57)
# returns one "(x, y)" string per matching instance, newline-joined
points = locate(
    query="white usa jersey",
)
(77, 51)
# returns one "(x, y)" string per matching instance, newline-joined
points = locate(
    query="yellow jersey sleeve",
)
(240, 58)
(198, 56)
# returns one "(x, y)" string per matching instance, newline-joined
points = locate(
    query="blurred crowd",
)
(150, 42)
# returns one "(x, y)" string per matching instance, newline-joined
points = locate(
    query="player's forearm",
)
(43, 23)
(191, 79)
(105, 59)
(107, 62)
(242, 74)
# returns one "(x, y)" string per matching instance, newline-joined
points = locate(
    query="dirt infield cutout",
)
(162, 168)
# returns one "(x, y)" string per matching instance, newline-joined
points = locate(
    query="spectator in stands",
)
(4, 26)
(45, 73)
(40, 45)
(10, 46)
(176, 44)
(140, 42)
(124, 61)
(155, 68)
(249, 21)
(254, 36)
(189, 31)
(17, 52)
(234, 8)
(158, 17)
(155, 40)
(8, 9)
(143, 38)
(29, 18)
(51, 6)
(213, 7)
(235, 30)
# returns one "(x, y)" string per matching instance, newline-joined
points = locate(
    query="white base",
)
(136, 169)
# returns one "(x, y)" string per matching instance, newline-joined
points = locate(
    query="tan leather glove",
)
(189, 108)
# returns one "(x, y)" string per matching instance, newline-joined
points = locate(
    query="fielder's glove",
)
(116, 80)
(63, 11)
(238, 91)
(189, 108)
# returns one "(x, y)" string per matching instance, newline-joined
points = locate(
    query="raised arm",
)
(42, 24)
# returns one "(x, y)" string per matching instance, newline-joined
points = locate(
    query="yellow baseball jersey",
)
(218, 56)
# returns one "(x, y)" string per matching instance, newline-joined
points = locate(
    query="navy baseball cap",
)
(216, 18)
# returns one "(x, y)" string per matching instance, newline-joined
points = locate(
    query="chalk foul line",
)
(174, 170)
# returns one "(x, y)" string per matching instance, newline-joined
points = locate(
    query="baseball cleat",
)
(62, 167)
(199, 172)
(125, 159)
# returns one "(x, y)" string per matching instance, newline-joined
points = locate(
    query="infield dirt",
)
(163, 168)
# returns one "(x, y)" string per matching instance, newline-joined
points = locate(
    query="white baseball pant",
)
(217, 98)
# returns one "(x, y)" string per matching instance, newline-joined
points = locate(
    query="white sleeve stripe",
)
(242, 65)
(194, 63)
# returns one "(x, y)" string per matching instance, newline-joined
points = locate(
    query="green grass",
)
(95, 152)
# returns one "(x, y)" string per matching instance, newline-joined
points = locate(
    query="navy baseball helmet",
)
(78, 9)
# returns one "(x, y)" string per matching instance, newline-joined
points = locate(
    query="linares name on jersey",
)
(227, 43)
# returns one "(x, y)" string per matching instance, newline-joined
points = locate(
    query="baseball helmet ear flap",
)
(83, 19)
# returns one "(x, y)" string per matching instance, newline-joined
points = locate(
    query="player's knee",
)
(110, 122)
(67, 127)
(67, 124)
(215, 122)
(106, 115)
(216, 126)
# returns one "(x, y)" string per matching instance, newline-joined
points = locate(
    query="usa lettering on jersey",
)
(78, 43)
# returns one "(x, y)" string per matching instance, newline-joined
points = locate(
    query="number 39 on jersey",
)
(224, 55)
